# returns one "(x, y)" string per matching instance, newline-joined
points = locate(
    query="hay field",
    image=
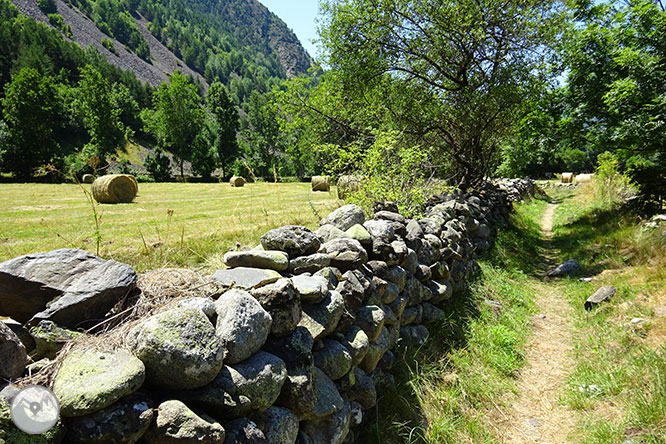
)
(168, 224)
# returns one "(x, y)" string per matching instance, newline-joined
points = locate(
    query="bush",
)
(47, 6)
(609, 181)
(158, 166)
(108, 44)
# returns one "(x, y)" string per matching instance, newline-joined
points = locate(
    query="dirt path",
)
(535, 415)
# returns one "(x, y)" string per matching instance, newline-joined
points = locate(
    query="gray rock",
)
(375, 351)
(411, 262)
(244, 431)
(322, 319)
(566, 268)
(381, 229)
(274, 260)
(333, 359)
(345, 217)
(296, 351)
(414, 335)
(388, 361)
(50, 339)
(292, 239)
(178, 347)
(121, 423)
(391, 293)
(175, 423)
(371, 319)
(600, 296)
(356, 341)
(397, 275)
(302, 438)
(21, 332)
(13, 356)
(332, 429)
(364, 391)
(359, 233)
(441, 289)
(345, 254)
(86, 287)
(206, 305)
(309, 264)
(439, 270)
(398, 306)
(282, 303)
(328, 399)
(328, 232)
(393, 217)
(246, 278)
(389, 317)
(259, 379)
(431, 314)
(89, 380)
(311, 289)
(331, 274)
(242, 324)
(483, 231)
(280, 425)
(356, 415)
(423, 273)
(411, 314)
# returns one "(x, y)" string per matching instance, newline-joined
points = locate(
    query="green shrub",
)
(158, 166)
(47, 6)
(609, 181)
(108, 44)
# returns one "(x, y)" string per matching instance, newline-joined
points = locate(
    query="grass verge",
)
(445, 390)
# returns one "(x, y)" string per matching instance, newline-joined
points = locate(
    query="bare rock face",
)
(86, 287)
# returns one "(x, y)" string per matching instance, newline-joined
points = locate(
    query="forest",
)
(408, 93)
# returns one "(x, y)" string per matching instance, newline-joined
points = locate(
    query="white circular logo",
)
(35, 410)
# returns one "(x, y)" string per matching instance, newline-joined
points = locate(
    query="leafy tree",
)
(261, 135)
(204, 153)
(100, 113)
(178, 118)
(466, 65)
(226, 118)
(158, 165)
(31, 111)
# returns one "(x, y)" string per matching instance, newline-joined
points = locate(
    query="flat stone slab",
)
(566, 268)
(86, 287)
(271, 259)
(600, 296)
(246, 278)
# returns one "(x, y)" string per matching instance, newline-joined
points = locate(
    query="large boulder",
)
(321, 319)
(259, 379)
(65, 286)
(90, 380)
(345, 217)
(282, 303)
(179, 348)
(175, 423)
(292, 239)
(242, 324)
(356, 342)
(333, 359)
(245, 277)
(328, 399)
(13, 356)
(274, 260)
(123, 422)
(345, 253)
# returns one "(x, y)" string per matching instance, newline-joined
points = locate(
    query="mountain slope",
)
(238, 42)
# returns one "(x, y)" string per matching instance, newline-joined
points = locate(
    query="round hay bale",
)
(321, 183)
(567, 177)
(584, 178)
(88, 178)
(134, 181)
(115, 188)
(237, 181)
(348, 184)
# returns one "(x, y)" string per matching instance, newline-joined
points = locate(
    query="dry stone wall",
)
(300, 341)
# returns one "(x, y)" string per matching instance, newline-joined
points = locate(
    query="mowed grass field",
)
(168, 224)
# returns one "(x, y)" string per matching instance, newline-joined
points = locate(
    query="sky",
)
(300, 16)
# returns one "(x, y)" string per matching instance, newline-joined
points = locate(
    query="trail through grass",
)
(169, 224)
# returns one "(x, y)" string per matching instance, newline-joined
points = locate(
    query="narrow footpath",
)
(535, 415)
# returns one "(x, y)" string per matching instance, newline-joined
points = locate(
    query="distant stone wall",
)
(301, 338)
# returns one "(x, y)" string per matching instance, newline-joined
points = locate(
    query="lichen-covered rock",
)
(292, 239)
(380, 229)
(397, 275)
(274, 260)
(359, 233)
(328, 232)
(328, 399)
(77, 286)
(311, 289)
(414, 335)
(121, 423)
(391, 293)
(90, 380)
(244, 431)
(364, 390)
(206, 305)
(333, 359)
(441, 289)
(356, 342)
(371, 319)
(322, 319)
(282, 303)
(309, 264)
(242, 324)
(332, 429)
(258, 378)
(345, 217)
(178, 347)
(175, 423)
(22, 333)
(296, 351)
(431, 314)
(246, 278)
(13, 356)
(280, 425)
(375, 351)
(345, 253)
(398, 306)
(50, 339)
